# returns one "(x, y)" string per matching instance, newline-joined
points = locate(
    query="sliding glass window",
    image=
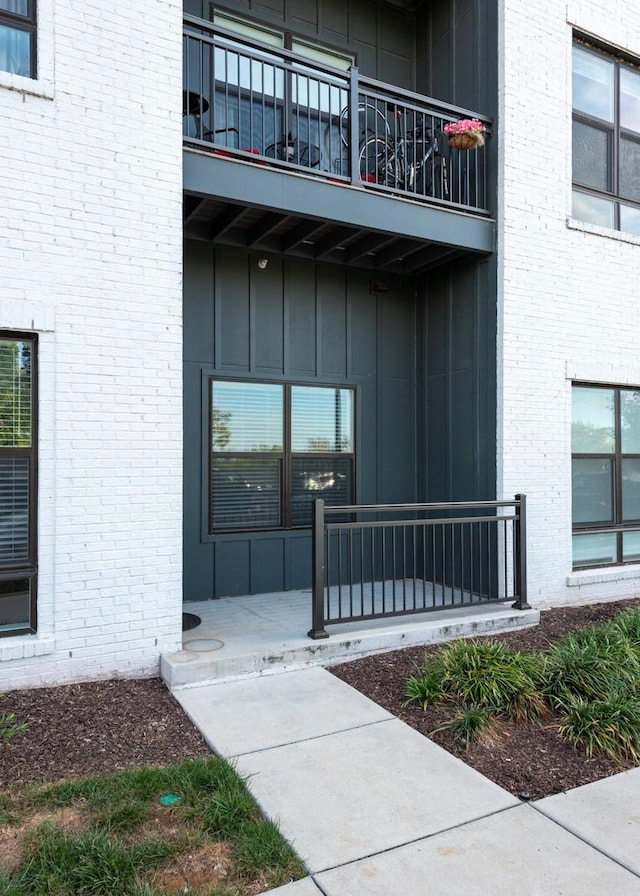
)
(18, 37)
(273, 449)
(17, 485)
(605, 437)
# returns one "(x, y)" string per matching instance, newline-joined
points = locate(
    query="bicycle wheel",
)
(378, 163)
(372, 122)
(432, 179)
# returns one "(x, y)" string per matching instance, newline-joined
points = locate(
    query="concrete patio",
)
(253, 634)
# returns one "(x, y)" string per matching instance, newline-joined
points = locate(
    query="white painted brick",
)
(567, 297)
(91, 250)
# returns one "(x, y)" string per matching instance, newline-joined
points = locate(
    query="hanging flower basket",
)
(465, 134)
(466, 141)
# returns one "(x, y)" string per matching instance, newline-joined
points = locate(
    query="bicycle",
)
(412, 162)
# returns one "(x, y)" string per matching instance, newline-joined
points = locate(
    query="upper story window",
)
(18, 37)
(606, 139)
(605, 448)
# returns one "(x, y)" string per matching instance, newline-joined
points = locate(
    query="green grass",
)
(119, 840)
(590, 680)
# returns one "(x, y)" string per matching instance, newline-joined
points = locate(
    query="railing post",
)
(354, 126)
(317, 630)
(520, 551)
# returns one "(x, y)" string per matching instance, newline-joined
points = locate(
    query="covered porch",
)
(260, 633)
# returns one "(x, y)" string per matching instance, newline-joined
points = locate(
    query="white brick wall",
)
(568, 295)
(91, 254)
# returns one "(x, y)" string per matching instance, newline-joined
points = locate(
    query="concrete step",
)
(252, 635)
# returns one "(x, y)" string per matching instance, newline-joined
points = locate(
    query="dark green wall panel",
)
(332, 312)
(294, 321)
(232, 310)
(198, 329)
(267, 306)
(460, 399)
(232, 566)
(300, 319)
(268, 565)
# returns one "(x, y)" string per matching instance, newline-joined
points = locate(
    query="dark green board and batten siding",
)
(293, 322)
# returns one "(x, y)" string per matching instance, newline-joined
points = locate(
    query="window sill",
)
(21, 84)
(597, 230)
(602, 576)
(25, 646)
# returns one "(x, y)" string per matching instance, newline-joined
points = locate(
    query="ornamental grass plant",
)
(588, 685)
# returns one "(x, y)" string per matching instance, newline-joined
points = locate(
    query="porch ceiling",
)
(255, 207)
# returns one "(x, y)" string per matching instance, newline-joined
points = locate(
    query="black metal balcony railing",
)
(249, 100)
(377, 561)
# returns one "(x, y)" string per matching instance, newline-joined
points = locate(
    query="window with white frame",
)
(17, 484)
(605, 449)
(274, 448)
(606, 139)
(18, 37)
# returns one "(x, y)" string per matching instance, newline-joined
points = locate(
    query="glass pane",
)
(594, 550)
(247, 417)
(15, 605)
(592, 421)
(630, 219)
(592, 490)
(630, 420)
(631, 546)
(630, 99)
(14, 509)
(590, 156)
(15, 51)
(630, 169)
(593, 210)
(630, 489)
(593, 78)
(245, 493)
(321, 419)
(19, 7)
(15, 394)
(329, 478)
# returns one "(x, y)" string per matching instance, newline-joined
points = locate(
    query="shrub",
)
(589, 665)
(609, 727)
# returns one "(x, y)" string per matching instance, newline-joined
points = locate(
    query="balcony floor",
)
(251, 205)
(267, 632)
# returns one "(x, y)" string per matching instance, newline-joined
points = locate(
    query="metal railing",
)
(377, 561)
(253, 101)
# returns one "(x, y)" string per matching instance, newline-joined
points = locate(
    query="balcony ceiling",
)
(266, 210)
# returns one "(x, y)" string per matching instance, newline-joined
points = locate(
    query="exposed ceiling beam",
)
(302, 231)
(190, 206)
(332, 240)
(230, 216)
(396, 251)
(262, 228)
(368, 244)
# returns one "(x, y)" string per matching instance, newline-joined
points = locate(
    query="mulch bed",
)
(104, 726)
(530, 761)
(100, 726)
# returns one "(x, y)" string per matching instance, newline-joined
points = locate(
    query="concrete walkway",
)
(375, 809)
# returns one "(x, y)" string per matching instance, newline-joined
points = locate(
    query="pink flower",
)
(465, 126)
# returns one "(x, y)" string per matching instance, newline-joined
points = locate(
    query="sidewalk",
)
(375, 809)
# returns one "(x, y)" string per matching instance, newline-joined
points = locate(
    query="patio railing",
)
(253, 101)
(377, 561)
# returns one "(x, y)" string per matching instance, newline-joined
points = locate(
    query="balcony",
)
(334, 165)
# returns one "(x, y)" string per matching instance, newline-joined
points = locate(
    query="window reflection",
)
(593, 91)
(592, 421)
(630, 99)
